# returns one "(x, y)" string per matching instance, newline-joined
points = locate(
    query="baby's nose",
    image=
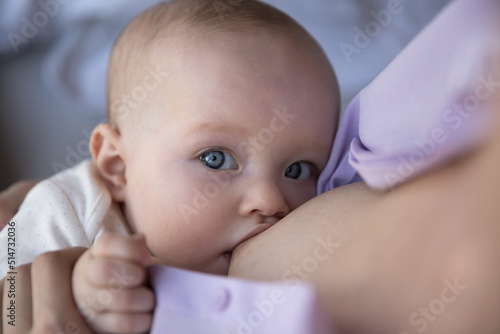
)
(266, 199)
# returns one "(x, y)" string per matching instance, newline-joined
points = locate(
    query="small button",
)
(221, 299)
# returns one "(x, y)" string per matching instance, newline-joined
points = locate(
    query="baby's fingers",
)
(109, 285)
(110, 295)
(112, 274)
(122, 323)
(120, 311)
(133, 301)
(113, 245)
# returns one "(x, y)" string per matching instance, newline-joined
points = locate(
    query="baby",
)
(221, 118)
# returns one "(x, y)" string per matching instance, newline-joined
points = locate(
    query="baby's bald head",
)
(153, 35)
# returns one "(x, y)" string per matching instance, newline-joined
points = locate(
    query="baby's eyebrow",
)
(217, 126)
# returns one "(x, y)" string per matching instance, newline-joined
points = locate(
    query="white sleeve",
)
(46, 221)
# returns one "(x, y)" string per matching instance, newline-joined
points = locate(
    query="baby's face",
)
(234, 142)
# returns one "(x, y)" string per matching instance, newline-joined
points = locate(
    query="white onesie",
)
(70, 209)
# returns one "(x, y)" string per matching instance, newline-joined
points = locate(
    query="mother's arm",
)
(43, 299)
(423, 257)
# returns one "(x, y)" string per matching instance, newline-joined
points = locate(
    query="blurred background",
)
(53, 59)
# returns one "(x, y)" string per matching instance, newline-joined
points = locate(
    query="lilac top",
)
(426, 107)
(198, 303)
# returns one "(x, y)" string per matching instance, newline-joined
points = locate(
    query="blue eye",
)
(299, 171)
(218, 160)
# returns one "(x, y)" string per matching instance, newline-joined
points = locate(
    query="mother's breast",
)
(313, 231)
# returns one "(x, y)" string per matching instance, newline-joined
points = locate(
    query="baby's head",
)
(222, 115)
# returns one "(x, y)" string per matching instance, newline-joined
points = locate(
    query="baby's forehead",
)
(153, 47)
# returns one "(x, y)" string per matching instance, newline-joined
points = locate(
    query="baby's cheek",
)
(160, 247)
(303, 195)
(174, 245)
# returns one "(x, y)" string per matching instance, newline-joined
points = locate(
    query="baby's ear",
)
(107, 151)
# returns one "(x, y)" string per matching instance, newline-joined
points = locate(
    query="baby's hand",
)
(109, 285)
